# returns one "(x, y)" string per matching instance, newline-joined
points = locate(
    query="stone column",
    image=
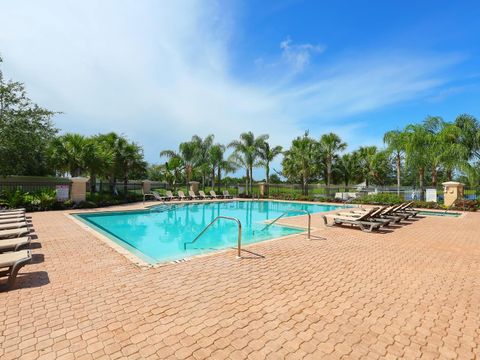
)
(78, 192)
(194, 186)
(263, 188)
(452, 191)
(146, 186)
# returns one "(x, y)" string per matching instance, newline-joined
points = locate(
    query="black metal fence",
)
(31, 184)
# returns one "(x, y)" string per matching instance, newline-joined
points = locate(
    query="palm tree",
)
(395, 141)
(267, 155)
(67, 153)
(469, 135)
(300, 162)
(129, 159)
(348, 167)
(417, 142)
(96, 159)
(246, 153)
(216, 154)
(330, 145)
(202, 155)
(366, 155)
(187, 154)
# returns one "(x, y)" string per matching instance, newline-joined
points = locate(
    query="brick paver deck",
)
(412, 292)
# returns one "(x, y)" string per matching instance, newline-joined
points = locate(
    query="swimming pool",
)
(158, 234)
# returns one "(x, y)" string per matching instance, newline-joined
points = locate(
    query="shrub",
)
(380, 198)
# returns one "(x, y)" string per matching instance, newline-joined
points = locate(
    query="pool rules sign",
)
(62, 192)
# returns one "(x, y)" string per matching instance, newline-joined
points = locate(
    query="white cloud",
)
(159, 72)
(298, 56)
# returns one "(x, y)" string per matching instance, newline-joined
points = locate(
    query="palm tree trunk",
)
(246, 182)
(219, 174)
(449, 173)
(213, 177)
(267, 175)
(434, 176)
(93, 183)
(421, 174)
(398, 163)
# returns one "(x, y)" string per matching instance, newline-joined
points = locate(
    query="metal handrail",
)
(239, 237)
(290, 211)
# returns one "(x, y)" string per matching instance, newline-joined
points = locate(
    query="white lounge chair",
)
(192, 195)
(362, 221)
(14, 244)
(201, 193)
(226, 195)
(181, 195)
(13, 261)
(14, 233)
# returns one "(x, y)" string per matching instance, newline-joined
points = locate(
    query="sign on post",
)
(431, 195)
(62, 192)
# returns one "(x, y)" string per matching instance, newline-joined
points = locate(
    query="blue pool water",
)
(159, 234)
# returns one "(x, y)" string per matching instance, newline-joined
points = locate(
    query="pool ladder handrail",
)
(290, 211)
(239, 236)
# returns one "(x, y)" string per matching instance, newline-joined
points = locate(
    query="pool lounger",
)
(226, 195)
(374, 215)
(14, 244)
(361, 221)
(203, 196)
(214, 195)
(181, 195)
(14, 233)
(13, 261)
(13, 225)
(192, 195)
(12, 220)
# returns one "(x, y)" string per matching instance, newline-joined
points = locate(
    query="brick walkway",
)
(408, 293)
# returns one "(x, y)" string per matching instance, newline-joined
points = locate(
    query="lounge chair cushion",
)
(14, 232)
(9, 259)
(14, 244)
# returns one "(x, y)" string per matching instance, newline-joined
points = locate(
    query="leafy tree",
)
(267, 154)
(246, 151)
(25, 131)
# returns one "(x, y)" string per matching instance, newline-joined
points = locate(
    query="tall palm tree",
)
(300, 162)
(395, 141)
(202, 155)
(418, 140)
(267, 154)
(216, 157)
(348, 166)
(246, 152)
(187, 154)
(367, 157)
(469, 135)
(129, 158)
(330, 145)
(96, 159)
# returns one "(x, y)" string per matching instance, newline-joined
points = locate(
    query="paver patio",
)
(412, 292)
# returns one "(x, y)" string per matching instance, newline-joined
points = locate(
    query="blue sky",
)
(161, 71)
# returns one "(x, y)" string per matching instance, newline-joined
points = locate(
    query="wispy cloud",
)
(160, 72)
(298, 56)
